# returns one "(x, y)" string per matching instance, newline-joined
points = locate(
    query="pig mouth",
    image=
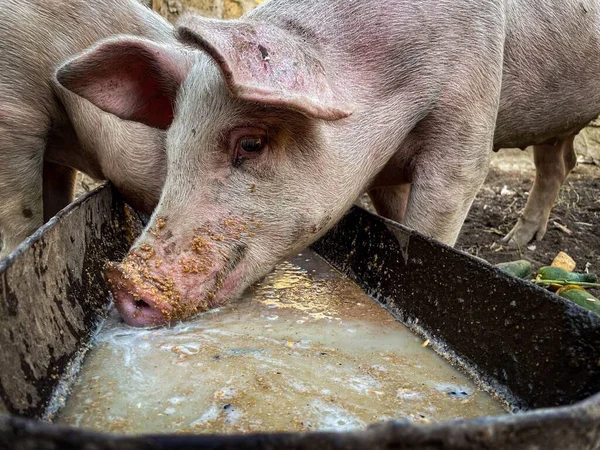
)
(229, 280)
(145, 298)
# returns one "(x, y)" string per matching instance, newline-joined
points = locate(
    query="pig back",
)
(551, 82)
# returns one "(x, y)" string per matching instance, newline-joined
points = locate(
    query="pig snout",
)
(149, 292)
(138, 306)
(139, 313)
(158, 283)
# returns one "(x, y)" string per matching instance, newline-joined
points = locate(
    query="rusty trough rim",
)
(578, 424)
(575, 426)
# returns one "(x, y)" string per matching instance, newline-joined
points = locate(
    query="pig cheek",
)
(305, 230)
(323, 225)
(233, 285)
(305, 234)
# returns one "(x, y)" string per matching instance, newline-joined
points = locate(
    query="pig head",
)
(235, 202)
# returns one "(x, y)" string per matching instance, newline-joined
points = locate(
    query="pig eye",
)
(249, 147)
(252, 144)
(247, 143)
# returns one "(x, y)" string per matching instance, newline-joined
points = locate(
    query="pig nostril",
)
(138, 310)
(141, 304)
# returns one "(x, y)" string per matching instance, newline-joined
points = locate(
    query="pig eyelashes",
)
(251, 145)
(248, 147)
(248, 143)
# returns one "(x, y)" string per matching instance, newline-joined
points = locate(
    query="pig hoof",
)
(523, 233)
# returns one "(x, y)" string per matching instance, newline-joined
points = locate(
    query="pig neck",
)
(128, 154)
(134, 161)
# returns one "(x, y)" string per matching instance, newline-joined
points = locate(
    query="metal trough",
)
(532, 346)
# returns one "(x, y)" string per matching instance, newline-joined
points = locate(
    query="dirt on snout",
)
(574, 225)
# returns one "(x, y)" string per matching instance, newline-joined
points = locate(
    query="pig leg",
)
(553, 163)
(446, 178)
(59, 188)
(391, 201)
(21, 156)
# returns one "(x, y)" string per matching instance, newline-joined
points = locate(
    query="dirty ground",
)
(496, 209)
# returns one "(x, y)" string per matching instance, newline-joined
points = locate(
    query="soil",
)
(502, 198)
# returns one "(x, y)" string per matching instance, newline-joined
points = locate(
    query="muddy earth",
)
(221, 9)
(573, 227)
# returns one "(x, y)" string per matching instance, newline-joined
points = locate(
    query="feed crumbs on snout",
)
(160, 223)
(138, 277)
(146, 274)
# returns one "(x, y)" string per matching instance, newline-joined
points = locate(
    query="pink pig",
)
(293, 111)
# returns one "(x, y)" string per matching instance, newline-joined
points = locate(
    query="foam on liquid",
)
(305, 349)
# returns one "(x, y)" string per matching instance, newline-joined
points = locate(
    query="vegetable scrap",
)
(559, 277)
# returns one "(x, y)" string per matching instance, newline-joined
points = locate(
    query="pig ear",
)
(132, 78)
(266, 64)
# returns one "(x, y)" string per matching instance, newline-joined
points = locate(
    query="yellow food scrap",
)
(564, 261)
(568, 287)
(160, 223)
